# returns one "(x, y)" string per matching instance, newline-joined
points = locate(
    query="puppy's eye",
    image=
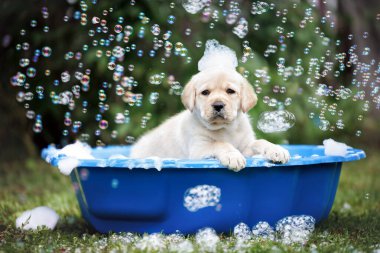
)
(205, 92)
(230, 91)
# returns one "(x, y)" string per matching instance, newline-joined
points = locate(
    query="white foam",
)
(295, 229)
(217, 55)
(79, 150)
(152, 242)
(334, 148)
(207, 240)
(37, 217)
(296, 157)
(67, 164)
(184, 246)
(201, 196)
(157, 162)
(242, 232)
(117, 156)
(262, 230)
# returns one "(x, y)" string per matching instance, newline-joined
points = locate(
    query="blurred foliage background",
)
(16, 134)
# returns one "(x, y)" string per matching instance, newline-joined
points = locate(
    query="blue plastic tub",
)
(131, 195)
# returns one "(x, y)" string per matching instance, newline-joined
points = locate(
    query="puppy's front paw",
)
(276, 153)
(233, 160)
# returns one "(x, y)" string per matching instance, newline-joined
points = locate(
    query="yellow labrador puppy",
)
(215, 124)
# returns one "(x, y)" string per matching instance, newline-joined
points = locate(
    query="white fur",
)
(196, 134)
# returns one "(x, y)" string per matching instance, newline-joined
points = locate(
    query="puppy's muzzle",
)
(218, 106)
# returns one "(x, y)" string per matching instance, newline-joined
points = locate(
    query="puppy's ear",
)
(188, 95)
(248, 96)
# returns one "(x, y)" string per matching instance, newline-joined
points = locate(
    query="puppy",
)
(215, 124)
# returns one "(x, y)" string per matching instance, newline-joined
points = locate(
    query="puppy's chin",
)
(216, 122)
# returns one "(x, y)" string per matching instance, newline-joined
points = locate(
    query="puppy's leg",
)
(227, 154)
(270, 151)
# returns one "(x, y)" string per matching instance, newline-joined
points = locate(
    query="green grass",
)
(27, 185)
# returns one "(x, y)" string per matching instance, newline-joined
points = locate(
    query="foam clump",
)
(295, 229)
(177, 243)
(207, 239)
(152, 242)
(72, 152)
(41, 216)
(262, 230)
(276, 121)
(201, 196)
(117, 156)
(79, 150)
(217, 55)
(334, 148)
(66, 165)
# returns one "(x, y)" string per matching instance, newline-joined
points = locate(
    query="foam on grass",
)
(41, 216)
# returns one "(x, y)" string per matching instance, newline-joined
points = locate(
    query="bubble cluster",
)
(333, 78)
(295, 229)
(201, 196)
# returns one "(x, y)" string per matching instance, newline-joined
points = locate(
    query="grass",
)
(353, 225)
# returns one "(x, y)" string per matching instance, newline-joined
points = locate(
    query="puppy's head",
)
(217, 96)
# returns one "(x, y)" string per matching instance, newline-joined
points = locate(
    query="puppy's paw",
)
(276, 153)
(233, 160)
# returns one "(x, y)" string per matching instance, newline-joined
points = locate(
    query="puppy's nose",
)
(218, 106)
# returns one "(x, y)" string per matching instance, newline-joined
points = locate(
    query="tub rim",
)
(166, 163)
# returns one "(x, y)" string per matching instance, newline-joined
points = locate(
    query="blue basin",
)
(123, 194)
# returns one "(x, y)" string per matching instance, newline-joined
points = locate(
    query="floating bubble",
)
(118, 51)
(171, 19)
(275, 121)
(153, 97)
(24, 62)
(241, 29)
(118, 28)
(46, 51)
(65, 76)
(155, 29)
(324, 125)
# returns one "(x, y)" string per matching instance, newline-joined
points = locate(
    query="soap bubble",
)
(46, 51)
(275, 121)
(171, 19)
(241, 29)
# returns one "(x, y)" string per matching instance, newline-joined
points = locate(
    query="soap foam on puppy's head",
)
(217, 55)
